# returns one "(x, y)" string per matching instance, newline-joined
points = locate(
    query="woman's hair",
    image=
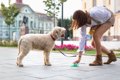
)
(79, 19)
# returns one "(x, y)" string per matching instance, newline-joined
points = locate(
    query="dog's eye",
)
(60, 30)
(57, 32)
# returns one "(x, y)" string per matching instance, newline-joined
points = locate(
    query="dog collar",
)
(53, 38)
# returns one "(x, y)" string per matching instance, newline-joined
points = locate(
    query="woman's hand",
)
(79, 58)
(76, 62)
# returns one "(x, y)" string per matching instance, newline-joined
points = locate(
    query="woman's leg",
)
(99, 48)
(110, 53)
(78, 57)
(104, 49)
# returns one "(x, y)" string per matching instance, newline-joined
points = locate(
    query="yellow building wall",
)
(113, 32)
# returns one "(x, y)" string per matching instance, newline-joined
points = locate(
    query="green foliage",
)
(53, 6)
(5, 43)
(9, 13)
(66, 23)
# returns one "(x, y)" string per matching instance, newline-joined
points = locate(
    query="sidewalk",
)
(60, 70)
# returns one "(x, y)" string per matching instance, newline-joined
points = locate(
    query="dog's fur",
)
(43, 42)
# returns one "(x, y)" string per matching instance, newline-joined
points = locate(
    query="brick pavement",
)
(60, 70)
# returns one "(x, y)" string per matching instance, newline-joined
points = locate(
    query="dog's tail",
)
(19, 43)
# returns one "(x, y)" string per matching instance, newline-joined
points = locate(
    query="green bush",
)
(6, 43)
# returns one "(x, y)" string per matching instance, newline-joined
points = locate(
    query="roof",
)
(20, 6)
(42, 15)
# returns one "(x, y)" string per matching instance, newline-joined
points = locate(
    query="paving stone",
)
(60, 70)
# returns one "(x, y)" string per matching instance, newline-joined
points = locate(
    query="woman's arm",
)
(81, 44)
(82, 38)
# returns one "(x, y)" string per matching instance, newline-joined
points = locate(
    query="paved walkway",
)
(60, 70)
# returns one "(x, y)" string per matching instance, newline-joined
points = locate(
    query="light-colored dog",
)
(43, 42)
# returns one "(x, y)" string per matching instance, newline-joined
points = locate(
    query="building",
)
(36, 22)
(114, 32)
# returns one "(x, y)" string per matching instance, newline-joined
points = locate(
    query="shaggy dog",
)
(43, 42)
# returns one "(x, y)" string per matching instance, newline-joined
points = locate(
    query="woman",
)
(100, 19)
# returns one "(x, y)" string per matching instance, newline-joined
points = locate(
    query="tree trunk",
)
(9, 32)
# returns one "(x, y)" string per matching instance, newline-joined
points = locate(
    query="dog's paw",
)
(19, 65)
(48, 65)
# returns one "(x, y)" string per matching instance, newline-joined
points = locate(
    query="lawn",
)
(88, 53)
(92, 52)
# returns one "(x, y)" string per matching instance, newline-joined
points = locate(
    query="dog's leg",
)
(20, 57)
(46, 58)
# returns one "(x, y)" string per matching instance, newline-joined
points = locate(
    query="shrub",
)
(89, 48)
(66, 47)
(70, 47)
(6, 43)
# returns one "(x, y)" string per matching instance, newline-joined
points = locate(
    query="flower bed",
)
(70, 47)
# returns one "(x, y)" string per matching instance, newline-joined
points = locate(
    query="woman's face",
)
(74, 24)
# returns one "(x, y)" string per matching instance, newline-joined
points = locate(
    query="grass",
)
(91, 52)
(88, 53)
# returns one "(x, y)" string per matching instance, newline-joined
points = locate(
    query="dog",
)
(43, 42)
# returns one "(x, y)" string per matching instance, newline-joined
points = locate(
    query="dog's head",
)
(58, 32)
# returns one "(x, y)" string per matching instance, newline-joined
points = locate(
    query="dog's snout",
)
(62, 35)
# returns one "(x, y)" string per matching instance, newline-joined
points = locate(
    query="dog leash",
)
(65, 54)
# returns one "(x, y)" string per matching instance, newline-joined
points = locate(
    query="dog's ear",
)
(55, 33)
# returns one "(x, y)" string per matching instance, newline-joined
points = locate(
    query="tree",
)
(67, 25)
(53, 7)
(9, 14)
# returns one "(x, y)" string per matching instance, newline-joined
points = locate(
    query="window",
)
(47, 26)
(42, 30)
(85, 5)
(31, 24)
(20, 22)
(26, 10)
(16, 23)
(38, 24)
(94, 2)
(13, 25)
(6, 33)
(0, 33)
(50, 26)
(109, 2)
(34, 24)
(42, 24)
